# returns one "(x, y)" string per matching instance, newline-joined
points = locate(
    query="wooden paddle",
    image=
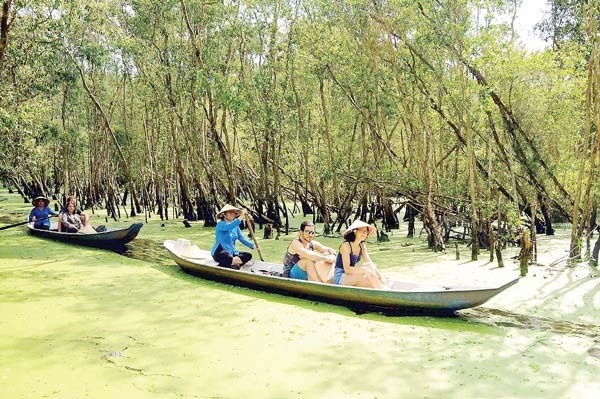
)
(22, 223)
(251, 228)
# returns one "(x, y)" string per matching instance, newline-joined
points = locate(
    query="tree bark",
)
(409, 216)
(436, 239)
(4, 28)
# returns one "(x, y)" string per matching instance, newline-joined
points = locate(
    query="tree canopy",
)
(351, 108)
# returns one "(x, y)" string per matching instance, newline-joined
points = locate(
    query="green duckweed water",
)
(85, 323)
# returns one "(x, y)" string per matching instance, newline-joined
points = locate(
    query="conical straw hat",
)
(226, 208)
(358, 224)
(36, 199)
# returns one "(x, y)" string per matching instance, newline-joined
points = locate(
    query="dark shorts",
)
(41, 226)
(224, 258)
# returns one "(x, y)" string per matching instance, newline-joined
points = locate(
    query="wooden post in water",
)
(457, 252)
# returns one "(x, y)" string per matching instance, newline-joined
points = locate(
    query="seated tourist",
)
(82, 215)
(307, 259)
(348, 267)
(71, 221)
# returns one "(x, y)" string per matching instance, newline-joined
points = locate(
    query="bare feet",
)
(236, 261)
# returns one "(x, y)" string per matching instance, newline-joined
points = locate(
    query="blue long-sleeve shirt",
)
(225, 235)
(41, 214)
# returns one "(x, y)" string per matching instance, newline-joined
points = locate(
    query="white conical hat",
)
(228, 207)
(358, 224)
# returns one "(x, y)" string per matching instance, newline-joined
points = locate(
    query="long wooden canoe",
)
(113, 238)
(402, 298)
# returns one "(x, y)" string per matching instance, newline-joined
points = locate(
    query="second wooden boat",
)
(113, 238)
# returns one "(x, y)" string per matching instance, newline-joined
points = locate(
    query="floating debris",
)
(594, 352)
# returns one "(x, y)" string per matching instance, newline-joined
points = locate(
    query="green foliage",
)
(317, 93)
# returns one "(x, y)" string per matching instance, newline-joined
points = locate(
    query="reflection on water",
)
(501, 318)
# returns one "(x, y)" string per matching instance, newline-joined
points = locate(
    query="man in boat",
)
(307, 259)
(40, 215)
(226, 234)
(82, 215)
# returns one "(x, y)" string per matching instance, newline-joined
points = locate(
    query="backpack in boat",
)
(100, 229)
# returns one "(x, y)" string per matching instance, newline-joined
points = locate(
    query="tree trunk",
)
(108, 127)
(580, 215)
(390, 220)
(409, 216)
(4, 28)
(466, 122)
(534, 230)
(525, 253)
(546, 215)
(498, 247)
(596, 250)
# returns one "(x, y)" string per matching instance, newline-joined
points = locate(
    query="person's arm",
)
(224, 226)
(315, 256)
(368, 263)
(32, 215)
(63, 221)
(60, 219)
(323, 249)
(365, 253)
(244, 240)
(69, 225)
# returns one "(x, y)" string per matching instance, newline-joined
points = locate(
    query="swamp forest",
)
(474, 156)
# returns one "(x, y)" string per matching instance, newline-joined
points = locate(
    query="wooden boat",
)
(402, 298)
(113, 238)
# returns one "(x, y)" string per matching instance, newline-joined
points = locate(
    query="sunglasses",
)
(309, 232)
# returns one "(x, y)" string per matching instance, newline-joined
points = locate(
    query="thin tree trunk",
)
(112, 134)
(4, 28)
(534, 230)
(579, 215)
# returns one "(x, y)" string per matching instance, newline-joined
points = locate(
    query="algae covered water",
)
(79, 322)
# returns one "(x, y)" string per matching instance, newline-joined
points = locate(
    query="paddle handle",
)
(22, 223)
(251, 228)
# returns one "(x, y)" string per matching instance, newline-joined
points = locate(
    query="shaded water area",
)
(81, 322)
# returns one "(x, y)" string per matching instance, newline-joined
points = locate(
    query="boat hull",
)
(433, 300)
(112, 238)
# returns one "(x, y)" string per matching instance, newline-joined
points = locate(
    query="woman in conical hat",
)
(41, 213)
(348, 267)
(227, 233)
